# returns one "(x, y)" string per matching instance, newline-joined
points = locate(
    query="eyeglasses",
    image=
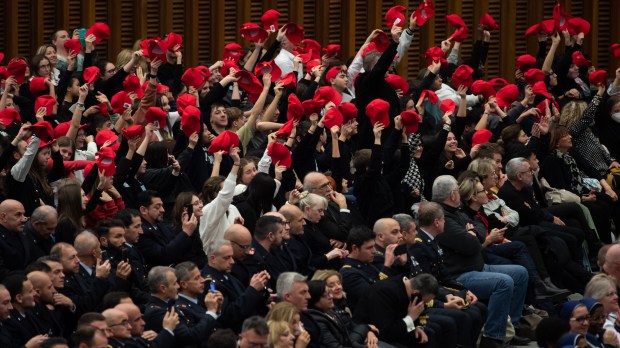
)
(244, 247)
(324, 186)
(197, 203)
(581, 319)
(327, 294)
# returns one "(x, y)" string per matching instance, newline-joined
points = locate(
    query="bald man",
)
(298, 246)
(612, 262)
(52, 319)
(387, 237)
(119, 325)
(241, 242)
(15, 249)
(134, 316)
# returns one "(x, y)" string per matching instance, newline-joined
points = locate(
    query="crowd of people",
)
(286, 196)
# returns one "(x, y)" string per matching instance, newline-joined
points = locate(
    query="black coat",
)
(15, 251)
(264, 260)
(86, 292)
(161, 246)
(335, 333)
(23, 328)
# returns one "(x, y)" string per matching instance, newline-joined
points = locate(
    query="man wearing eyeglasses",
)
(241, 242)
(118, 322)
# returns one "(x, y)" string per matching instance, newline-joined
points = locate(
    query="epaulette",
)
(419, 240)
(346, 266)
(383, 276)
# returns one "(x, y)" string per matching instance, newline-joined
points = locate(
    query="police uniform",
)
(22, 327)
(379, 259)
(263, 260)
(357, 277)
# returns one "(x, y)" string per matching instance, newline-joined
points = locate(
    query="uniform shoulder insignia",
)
(346, 266)
(383, 276)
(419, 240)
(208, 278)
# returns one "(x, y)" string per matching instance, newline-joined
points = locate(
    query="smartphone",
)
(124, 254)
(212, 288)
(401, 249)
(104, 255)
(190, 210)
(414, 298)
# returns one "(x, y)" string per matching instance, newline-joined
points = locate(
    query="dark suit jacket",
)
(264, 260)
(15, 253)
(303, 254)
(161, 246)
(357, 277)
(38, 246)
(318, 241)
(85, 291)
(23, 328)
(163, 340)
(530, 210)
(335, 224)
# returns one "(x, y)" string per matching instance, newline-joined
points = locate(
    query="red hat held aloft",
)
(248, 82)
(46, 101)
(193, 77)
(285, 131)
(578, 25)
(598, 77)
(328, 94)
(91, 74)
(312, 106)
(131, 84)
(308, 44)
(432, 96)
(173, 39)
(540, 88)
(395, 16)
(229, 64)
(253, 32)
(481, 136)
(295, 110)
(349, 112)
(154, 48)
(488, 22)
(480, 87)
(289, 80)
(73, 45)
(105, 160)
(63, 128)
(121, 102)
(498, 83)
(312, 64)
(424, 12)
(305, 56)
(525, 62)
(534, 75)
(8, 116)
(377, 111)
(280, 154)
(185, 100)
(579, 59)
(434, 54)
(190, 120)
(461, 34)
(17, 69)
(462, 76)
(560, 17)
(132, 132)
(223, 142)
(37, 85)
(332, 117)
(294, 33)
(447, 105)
(232, 50)
(397, 82)
(43, 130)
(156, 116)
(455, 21)
(411, 120)
(382, 41)
(106, 135)
(100, 30)
(270, 20)
(615, 50)
(269, 67)
(507, 95)
(332, 50)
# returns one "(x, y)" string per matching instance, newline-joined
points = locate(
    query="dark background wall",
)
(207, 25)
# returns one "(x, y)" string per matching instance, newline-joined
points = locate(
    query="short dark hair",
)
(425, 283)
(111, 299)
(222, 338)
(126, 215)
(102, 228)
(53, 342)
(88, 318)
(145, 198)
(39, 265)
(85, 335)
(256, 323)
(358, 236)
(266, 224)
(14, 283)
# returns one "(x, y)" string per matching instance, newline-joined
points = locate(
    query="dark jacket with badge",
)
(161, 246)
(23, 328)
(264, 260)
(357, 277)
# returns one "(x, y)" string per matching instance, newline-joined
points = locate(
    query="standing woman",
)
(186, 205)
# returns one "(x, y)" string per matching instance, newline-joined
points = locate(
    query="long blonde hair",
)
(572, 112)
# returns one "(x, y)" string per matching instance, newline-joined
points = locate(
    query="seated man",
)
(254, 333)
(267, 239)
(503, 286)
(164, 339)
(292, 288)
(22, 325)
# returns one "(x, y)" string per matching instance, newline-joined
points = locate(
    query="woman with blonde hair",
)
(333, 281)
(280, 335)
(287, 312)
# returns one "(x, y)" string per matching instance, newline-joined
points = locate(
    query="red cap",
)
(157, 116)
(63, 128)
(525, 62)
(270, 20)
(289, 80)
(498, 83)
(285, 130)
(560, 18)
(17, 69)
(295, 110)
(579, 59)
(132, 132)
(280, 154)
(131, 84)
(190, 120)
(73, 45)
(424, 12)
(482, 136)
(447, 105)
(481, 87)
(105, 160)
(8, 116)
(578, 25)
(332, 50)
(432, 97)
(309, 44)
(253, 32)
(377, 111)
(533, 30)
(534, 75)
(455, 21)
(294, 33)
(270, 67)
(223, 142)
(507, 95)
(411, 120)
(488, 22)
(615, 50)
(46, 101)
(312, 106)
(91, 74)
(540, 88)
(37, 85)
(193, 77)
(328, 94)
(397, 82)
(349, 112)
(121, 102)
(100, 30)
(105, 135)
(547, 26)
(395, 15)
(542, 108)
(332, 73)
(462, 76)
(43, 130)
(305, 56)
(248, 82)
(598, 77)
(371, 47)
(154, 48)
(435, 53)
(461, 34)
(332, 117)
(232, 50)
(172, 40)
(184, 100)
(229, 64)
(382, 41)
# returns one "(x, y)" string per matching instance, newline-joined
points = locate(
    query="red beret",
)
(270, 20)
(312, 64)
(132, 132)
(131, 84)
(305, 56)
(382, 41)
(498, 82)
(377, 111)
(525, 62)
(280, 154)
(488, 22)
(447, 105)
(289, 79)
(462, 76)
(269, 67)
(106, 135)
(223, 142)
(253, 32)
(560, 18)
(172, 40)
(285, 130)
(328, 94)
(432, 97)
(424, 12)
(615, 50)
(100, 30)
(309, 44)
(481, 136)
(91, 74)
(295, 110)
(397, 82)
(542, 108)
(190, 120)
(120, 102)
(349, 112)
(37, 85)
(185, 100)
(193, 77)
(294, 33)
(73, 45)
(534, 75)
(332, 50)
(579, 59)
(455, 21)
(154, 48)
(103, 109)
(540, 88)
(411, 120)
(8, 116)
(578, 25)
(46, 101)
(43, 130)
(598, 77)
(461, 34)
(434, 54)
(232, 50)
(507, 95)
(312, 106)
(105, 161)
(157, 116)
(248, 82)
(332, 117)
(395, 16)
(481, 87)
(17, 69)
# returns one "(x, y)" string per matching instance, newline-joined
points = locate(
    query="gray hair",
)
(85, 242)
(42, 213)
(158, 275)
(443, 186)
(404, 221)
(256, 323)
(514, 166)
(215, 246)
(183, 269)
(307, 199)
(599, 286)
(285, 282)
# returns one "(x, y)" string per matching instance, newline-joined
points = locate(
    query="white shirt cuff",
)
(213, 314)
(409, 322)
(345, 211)
(171, 332)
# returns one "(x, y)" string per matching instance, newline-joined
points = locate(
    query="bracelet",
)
(236, 164)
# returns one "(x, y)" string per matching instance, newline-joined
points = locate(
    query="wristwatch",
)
(80, 106)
